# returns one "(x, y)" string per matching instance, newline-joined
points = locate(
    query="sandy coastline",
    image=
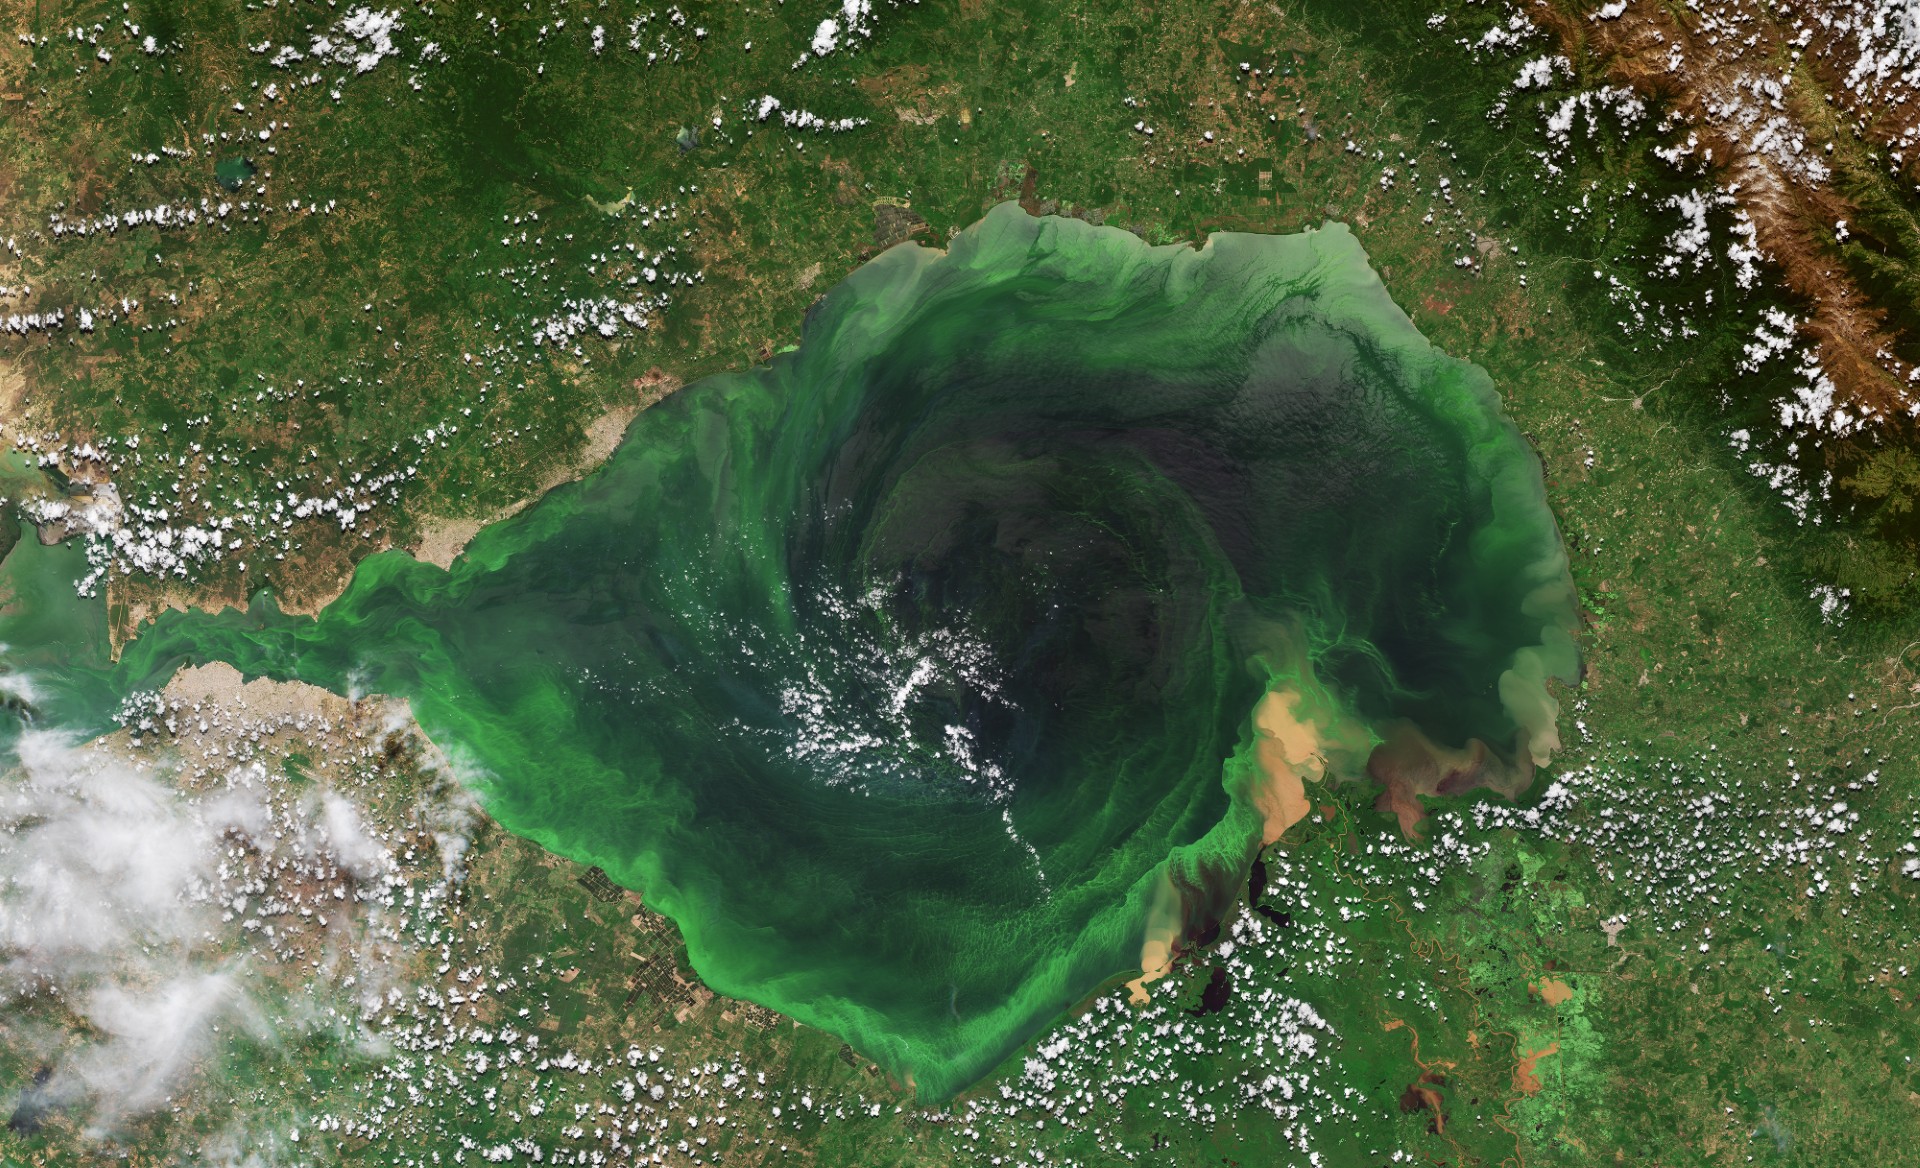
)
(442, 539)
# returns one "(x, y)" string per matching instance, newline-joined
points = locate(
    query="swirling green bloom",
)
(914, 673)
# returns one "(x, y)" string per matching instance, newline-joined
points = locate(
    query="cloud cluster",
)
(106, 908)
(153, 930)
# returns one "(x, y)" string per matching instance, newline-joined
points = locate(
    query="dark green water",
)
(905, 671)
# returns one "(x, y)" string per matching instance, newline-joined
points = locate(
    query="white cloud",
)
(153, 916)
(363, 38)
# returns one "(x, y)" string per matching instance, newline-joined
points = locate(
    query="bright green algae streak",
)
(904, 671)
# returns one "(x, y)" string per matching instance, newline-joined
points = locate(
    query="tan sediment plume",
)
(1296, 740)
(1408, 764)
(1287, 747)
(1524, 693)
(1163, 933)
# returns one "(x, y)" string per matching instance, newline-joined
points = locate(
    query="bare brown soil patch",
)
(13, 392)
(1554, 992)
(1421, 1095)
(1525, 1080)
